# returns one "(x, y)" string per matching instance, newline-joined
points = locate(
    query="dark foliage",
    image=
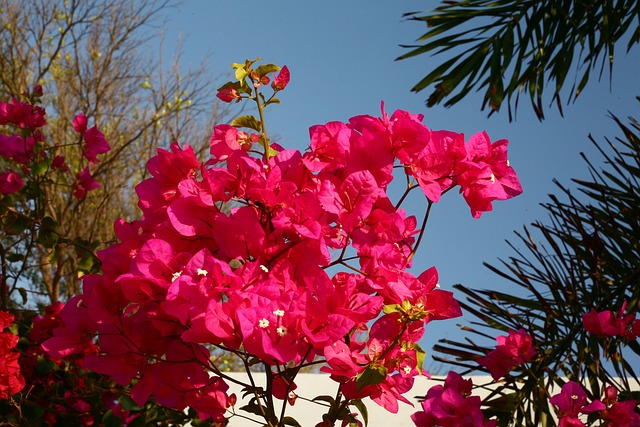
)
(507, 47)
(586, 256)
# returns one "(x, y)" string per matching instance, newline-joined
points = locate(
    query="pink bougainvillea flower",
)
(95, 141)
(95, 144)
(451, 405)
(10, 182)
(512, 350)
(44, 325)
(235, 252)
(58, 162)
(80, 123)
(619, 414)
(227, 139)
(487, 175)
(607, 324)
(437, 164)
(329, 146)
(228, 94)
(22, 114)
(84, 183)
(17, 148)
(283, 388)
(571, 402)
(282, 79)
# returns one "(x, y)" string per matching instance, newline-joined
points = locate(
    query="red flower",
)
(11, 379)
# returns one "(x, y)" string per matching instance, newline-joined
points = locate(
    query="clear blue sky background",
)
(341, 57)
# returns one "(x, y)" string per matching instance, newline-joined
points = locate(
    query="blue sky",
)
(341, 57)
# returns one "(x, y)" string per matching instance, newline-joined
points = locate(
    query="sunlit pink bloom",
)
(487, 175)
(435, 167)
(282, 79)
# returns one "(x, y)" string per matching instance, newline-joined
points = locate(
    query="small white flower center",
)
(282, 331)
(175, 276)
(264, 268)
(574, 397)
(407, 370)
(263, 323)
(493, 178)
(278, 312)
(202, 272)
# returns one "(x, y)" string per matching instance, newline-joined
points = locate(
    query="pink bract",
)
(511, 351)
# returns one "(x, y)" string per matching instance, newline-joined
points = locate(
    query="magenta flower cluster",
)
(238, 253)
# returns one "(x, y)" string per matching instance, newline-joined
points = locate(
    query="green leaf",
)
(324, 398)
(47, 235)
(23, 294)
(109, 420)
(252, 408)
(241, 73)
(362, 408)
(265, 69)
(14, 328)
(372, 375)
(39, 168)
(271, 152)
(44, 366)
(420, 356)
(12, 257)
(138, 421)
(247, 121)
(289, 421)
(14, 223)
(128, 404)
(88, 262)
(391, 308)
